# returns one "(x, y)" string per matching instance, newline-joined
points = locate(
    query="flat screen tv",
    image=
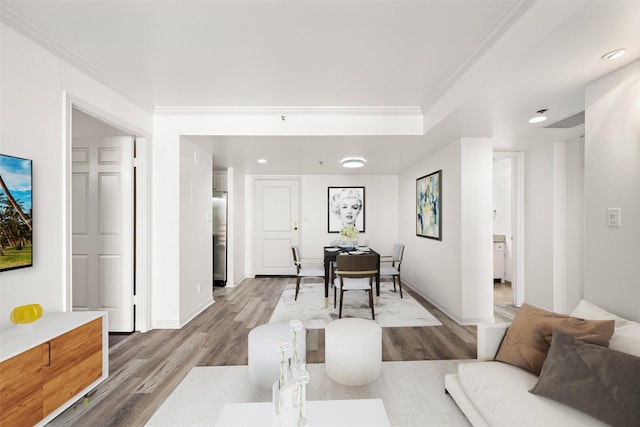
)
(16, 250)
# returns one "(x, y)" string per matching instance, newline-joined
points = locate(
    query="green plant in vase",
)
(349, 234)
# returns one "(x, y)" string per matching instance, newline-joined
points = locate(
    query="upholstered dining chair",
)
(390, 265)
(306, 267)
(355, 272)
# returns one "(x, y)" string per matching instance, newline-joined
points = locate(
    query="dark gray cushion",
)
(601, 382)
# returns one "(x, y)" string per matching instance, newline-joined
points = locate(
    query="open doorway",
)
(508, 208)
(502, 232)
(103, 200)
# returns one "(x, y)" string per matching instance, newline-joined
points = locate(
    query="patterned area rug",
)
(412, 393)
(392, 311)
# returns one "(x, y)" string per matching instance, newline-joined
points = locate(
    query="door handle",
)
(49, 353)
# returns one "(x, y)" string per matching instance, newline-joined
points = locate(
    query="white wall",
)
(454, 273)
(34, 86)
(553, 218)
(538, 207)
(559, 233)
(196, 233)
(575, 222)
(237, 233)
(381, 213)
(612, 180)
(432, 267)
(477, 230)
(165, 222)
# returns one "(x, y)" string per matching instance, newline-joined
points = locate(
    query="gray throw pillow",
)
(601, 382)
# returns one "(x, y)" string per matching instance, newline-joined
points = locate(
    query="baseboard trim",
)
(197, 310)
(266, 276)
(435, 302)
(165, 324)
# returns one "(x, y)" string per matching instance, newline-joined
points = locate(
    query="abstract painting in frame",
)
(345, 206)
(429, 206)
(15, 213)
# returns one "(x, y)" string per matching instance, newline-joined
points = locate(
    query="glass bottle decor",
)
(296, 328)
(282, 392)
(289, 391)
(300, 398)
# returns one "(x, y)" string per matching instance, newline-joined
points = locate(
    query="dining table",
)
(330, 255)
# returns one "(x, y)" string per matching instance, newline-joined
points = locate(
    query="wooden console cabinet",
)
(21, 389)
(46, 366)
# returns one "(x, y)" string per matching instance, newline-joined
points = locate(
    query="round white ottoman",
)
(264, 351)
(353, 351)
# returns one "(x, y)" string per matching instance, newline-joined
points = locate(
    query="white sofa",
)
(492, 393)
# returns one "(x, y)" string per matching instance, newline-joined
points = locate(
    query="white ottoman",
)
(264, 351)
(353, 351)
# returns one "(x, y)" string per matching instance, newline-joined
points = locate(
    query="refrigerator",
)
(219, 238)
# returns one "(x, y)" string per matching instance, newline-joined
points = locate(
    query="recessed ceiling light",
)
(539, 117)
(613, 54)
(353, 162)
(262, 161)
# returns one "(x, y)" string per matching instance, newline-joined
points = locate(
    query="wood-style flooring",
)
(144, 368)
(502, 293)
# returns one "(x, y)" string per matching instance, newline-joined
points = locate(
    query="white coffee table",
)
(320, 413)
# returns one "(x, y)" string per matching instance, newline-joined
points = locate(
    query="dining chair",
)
(306, 267)
(390, 265)
(355, 272)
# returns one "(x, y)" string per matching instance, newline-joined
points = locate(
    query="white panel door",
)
(276, 225)
(102, 227)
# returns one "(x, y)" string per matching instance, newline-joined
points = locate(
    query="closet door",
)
(102, 265)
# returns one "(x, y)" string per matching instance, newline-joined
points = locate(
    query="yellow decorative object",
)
(26, 314)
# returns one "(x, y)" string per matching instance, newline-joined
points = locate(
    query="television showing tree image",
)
(16, 249)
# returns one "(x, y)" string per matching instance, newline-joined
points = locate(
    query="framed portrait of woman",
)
(345, 207)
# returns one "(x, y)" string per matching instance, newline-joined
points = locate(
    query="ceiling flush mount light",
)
(262, 161)
(353, 162)
(613, 54)
(540, 117)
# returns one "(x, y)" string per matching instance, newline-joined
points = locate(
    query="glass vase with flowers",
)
(349, 236)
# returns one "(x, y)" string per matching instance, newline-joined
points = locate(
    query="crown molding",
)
(44, 40)
(513, 13)
(280, 111)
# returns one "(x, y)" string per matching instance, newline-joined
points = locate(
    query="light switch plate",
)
(613, 217)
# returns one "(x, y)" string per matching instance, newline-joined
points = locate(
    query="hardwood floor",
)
(503, 310)
(502, 293)
(144, 368)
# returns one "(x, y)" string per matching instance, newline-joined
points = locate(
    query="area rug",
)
(392, 312)
(412, 394)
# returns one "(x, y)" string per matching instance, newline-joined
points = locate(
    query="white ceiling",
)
(474, 68)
